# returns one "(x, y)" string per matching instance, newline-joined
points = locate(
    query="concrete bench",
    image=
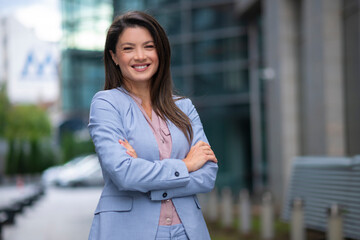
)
(3, 220)
(322, 182)
(13, 200)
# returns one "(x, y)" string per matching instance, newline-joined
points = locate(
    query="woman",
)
(163, 160)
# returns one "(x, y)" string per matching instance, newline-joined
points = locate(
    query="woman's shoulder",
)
(183, 103)
(111, 94)
(116, 96)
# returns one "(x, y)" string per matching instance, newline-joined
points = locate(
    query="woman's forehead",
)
(135, 34)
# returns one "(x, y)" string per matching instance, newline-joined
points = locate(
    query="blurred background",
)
(271, 79)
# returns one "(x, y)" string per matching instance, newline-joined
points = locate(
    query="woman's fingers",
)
(201, 144)
(212, 158)
(129, 148)
(126, 144)
(209, 153)
(205, 148)
(132, 154)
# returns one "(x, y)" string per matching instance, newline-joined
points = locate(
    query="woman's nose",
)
(140, 55)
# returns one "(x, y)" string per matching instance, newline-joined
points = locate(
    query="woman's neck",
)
(142, 91)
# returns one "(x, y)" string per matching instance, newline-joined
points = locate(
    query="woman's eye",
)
(127, 48)
(149, 46)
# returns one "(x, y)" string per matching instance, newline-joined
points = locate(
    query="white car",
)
(50, 175)
(81, 171)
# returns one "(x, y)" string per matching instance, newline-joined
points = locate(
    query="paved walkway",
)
(61, 214)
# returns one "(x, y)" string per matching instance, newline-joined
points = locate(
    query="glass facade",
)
(84, 25)
(210, 64)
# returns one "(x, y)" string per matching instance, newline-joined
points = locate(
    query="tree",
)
(4, 108)
(26, 127)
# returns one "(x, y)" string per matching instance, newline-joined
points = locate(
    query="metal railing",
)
(322, 183)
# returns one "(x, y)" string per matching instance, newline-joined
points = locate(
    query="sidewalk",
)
(62, 213)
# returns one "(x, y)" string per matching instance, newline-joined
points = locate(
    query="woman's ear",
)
(113, 57)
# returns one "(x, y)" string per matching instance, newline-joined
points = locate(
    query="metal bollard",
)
(244, 212)
(335, 228)
(213, 205)
(297, 230)
(267, 217)
(226, 207)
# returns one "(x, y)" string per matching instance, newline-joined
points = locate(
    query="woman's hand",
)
(129, 148)
(198, 155)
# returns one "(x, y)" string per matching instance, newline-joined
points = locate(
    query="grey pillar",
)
(255, 108)
(352, 72)
(213, 205)
(281, 57)
(245, 212)
(267, 217)
(227, 208)
(335, 224)
(297, 229)
(322, 84)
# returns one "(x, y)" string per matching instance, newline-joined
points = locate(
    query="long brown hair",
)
(161, 89)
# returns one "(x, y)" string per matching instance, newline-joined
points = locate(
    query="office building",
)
(84, 25)
(211, 64)
(270, 79)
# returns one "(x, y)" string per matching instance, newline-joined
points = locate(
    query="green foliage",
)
(27, 122)
(4, 108)
(73, 146)
(27, 130)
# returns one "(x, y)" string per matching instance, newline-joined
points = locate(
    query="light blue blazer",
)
(129, 206)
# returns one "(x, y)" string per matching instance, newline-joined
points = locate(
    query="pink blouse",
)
(168, 214)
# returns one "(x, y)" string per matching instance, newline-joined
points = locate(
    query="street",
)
(62, 213)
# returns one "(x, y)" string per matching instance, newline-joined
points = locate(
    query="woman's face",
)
(136, 55)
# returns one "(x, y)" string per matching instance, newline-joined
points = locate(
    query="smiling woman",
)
(136, 56)
(150, 183)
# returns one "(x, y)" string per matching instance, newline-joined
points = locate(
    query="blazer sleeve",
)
(202, 180)
(127, 173)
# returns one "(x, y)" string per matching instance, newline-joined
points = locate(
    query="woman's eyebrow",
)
(133, 44)
(147, 42)
(127, 43)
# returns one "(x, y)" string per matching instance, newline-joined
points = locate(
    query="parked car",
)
(81, 171)
(49, 176)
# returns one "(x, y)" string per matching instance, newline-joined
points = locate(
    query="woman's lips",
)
(141, 68)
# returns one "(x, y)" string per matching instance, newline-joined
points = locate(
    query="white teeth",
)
(140, 67)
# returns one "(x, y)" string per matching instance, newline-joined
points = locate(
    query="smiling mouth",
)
(141, 67)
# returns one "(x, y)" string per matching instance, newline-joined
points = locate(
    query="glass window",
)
(131, 5)
(207, 84)
(207, 51)
(178, 84)
(85, 24)
(176, 55)
(221, 83)
(170, 21)
(216, 50)
(214, 17)
(160, 3)
(236, 81)
(228, 131)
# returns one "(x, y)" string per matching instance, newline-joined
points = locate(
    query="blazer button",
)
(164, 195)
(177, 173)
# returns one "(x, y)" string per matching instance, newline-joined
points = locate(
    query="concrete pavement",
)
(61, 214)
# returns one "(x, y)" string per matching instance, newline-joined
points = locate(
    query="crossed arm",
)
(197, 157)
(197, 170)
